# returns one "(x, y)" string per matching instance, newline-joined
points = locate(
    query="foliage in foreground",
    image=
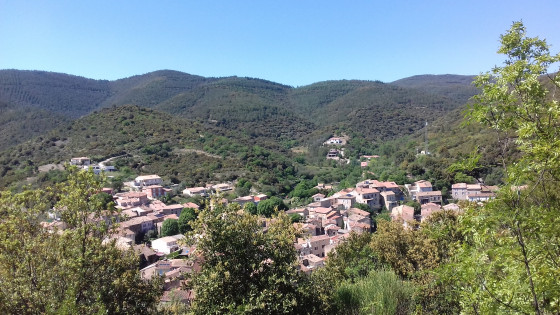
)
(246, 269)
(380, 292)
(70, 271)
(509, 262)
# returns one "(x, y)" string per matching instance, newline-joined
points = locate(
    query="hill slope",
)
(179, 149)
(455, 87)
(254, 107)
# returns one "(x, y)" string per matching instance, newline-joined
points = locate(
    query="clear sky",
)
(291, 42)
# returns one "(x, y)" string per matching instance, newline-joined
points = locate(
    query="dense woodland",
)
(495, 258)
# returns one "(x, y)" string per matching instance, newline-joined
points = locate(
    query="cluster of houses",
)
(326, 221)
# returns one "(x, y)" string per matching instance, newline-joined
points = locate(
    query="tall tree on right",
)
(510, 261)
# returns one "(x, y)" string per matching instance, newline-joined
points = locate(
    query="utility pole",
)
(426, 138)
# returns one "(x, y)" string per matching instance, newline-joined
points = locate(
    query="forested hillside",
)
(455, 87)
(148, 141)
(258, 108)
(59, 93)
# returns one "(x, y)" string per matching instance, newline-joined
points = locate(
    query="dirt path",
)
(198, 152)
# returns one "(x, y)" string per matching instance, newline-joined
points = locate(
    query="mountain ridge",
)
(255, 106)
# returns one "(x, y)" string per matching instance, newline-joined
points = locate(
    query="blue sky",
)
(290, 42)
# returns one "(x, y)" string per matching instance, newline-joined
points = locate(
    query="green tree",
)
(150, 235)
(380, 292)
(188, 215)
(509, 262)
(170, 227)
(352, 259)
(250, 207)
(245, 269)
(295, 218)
(267, 207)
(363, 206)
(71, 271)
(405, 250)
(106, 200)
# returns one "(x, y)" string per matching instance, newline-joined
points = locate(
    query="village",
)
(325, 223)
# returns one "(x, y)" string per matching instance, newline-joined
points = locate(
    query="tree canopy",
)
(267, 207)
(509, 262)
(71, 271)
(188, 215)
(169, 227)
(246, 269)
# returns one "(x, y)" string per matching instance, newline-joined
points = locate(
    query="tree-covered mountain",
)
(147, 141)
(256, 107)
(456, 87)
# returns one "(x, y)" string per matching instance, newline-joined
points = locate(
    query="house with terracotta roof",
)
(389, 199)
(243, 200)
(131, 199)
(172, 209)
(419, 186)
(191, 205)
(140, 224)
(428, 196)
(368, 196)
(318, 243)
(312, 261)
(359, 212)
(427, 209)
(459, 191)
(260, 197)
(404, 214)
(346, 201)
(359, 227)
(155, 191)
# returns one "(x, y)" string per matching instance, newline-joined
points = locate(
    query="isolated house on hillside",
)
(147, 180)
(333, 154)
(223, 187)
(81, 161)
(335, 141)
